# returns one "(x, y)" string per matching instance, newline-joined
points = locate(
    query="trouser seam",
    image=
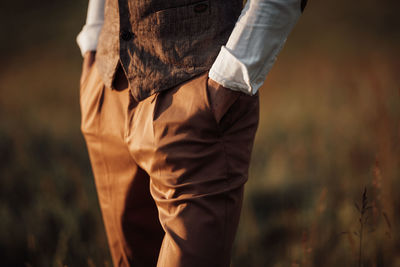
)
(110, 198)
(223, 144)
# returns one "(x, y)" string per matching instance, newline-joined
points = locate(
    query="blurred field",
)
(329, 128)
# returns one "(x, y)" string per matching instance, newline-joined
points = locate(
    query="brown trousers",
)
(169, 177)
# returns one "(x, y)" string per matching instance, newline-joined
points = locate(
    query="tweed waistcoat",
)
(161, 43)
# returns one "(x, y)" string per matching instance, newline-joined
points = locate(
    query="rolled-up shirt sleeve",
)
(88, 38)
(258, 36)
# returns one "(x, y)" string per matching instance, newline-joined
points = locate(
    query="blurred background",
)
(329, 132)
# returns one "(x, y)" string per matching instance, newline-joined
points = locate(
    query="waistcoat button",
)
(126, 35)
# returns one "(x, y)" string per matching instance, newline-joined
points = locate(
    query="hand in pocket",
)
(88, 61)
(221, 98)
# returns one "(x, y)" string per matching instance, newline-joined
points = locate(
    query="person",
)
(170, 107)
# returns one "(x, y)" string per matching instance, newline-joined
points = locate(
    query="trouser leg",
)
(198, 168)
(129, 212)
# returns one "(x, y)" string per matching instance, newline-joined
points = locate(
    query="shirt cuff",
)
(231, 73)
(88, 38)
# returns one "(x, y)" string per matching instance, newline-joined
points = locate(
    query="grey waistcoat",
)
(161, 43)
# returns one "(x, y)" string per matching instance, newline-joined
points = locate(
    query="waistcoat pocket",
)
(187, 19)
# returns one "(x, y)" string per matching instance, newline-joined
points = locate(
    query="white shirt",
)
(244, 62)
